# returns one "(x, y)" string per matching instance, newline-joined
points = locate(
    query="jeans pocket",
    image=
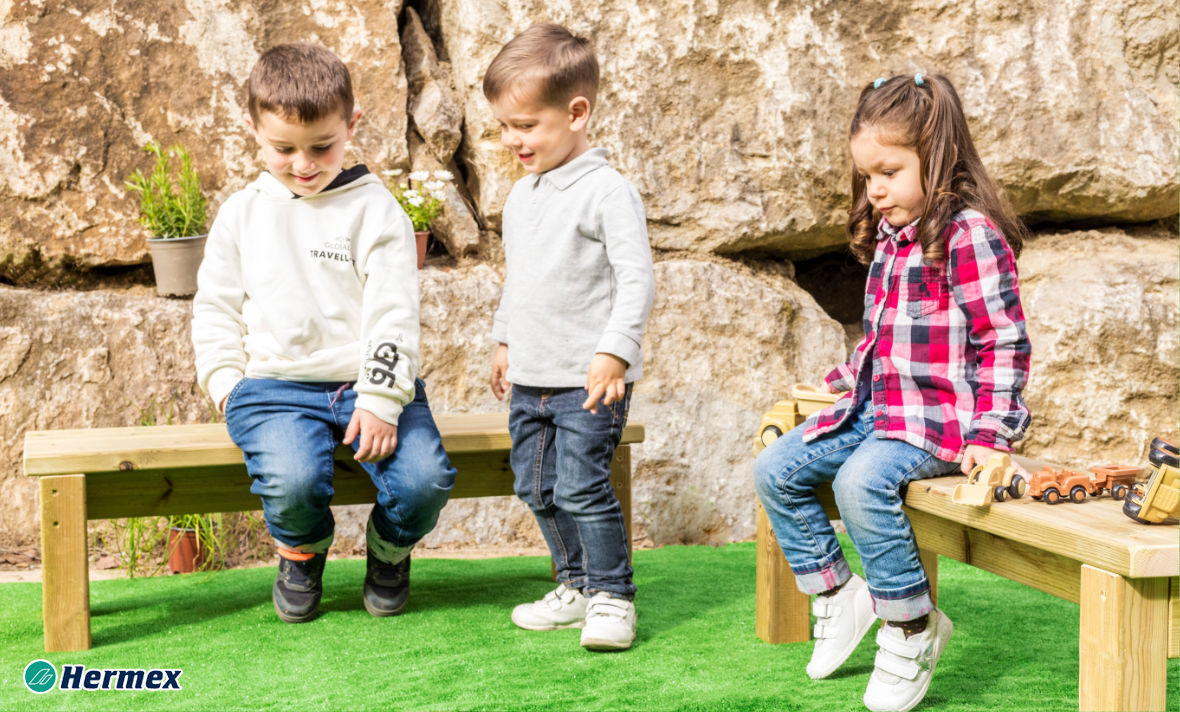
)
(229, 400)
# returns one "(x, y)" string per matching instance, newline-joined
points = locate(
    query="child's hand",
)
(500, 382)
(976, 455)
(378, 438)
(605, 380)
(221, 406)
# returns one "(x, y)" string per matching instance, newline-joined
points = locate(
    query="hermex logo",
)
(40, 676)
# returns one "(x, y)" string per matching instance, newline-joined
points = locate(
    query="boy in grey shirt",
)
(576, 298)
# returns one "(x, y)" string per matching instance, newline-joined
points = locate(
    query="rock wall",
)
(730, 118)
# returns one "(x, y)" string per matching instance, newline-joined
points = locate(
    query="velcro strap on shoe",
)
(906, 668)
(823, 609)
(898, 646)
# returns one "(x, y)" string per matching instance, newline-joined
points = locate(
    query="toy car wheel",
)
(770, 433)
(1077, 494)
(1000, 494)
(1119, 491)
(1017, 487)
(1163, 453)
(1051, 496)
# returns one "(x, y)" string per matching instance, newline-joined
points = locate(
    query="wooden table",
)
(108, 473)
(1122, 573)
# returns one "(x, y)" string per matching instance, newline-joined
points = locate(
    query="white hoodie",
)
(319, 288)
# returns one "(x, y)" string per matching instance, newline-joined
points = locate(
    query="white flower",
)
(444, 175)
(415, 199)
(420, 175)
(434, 185)
(439, 195)
(392, 172)
(412, 193)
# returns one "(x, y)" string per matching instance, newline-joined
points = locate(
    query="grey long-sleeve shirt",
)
(579, 276)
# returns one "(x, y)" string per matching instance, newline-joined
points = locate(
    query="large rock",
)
(83, 88)
(731, 118)
(1102, 316)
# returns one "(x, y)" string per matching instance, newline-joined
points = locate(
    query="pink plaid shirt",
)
(948, 349)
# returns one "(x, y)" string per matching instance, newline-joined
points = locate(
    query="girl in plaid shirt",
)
(934, 386)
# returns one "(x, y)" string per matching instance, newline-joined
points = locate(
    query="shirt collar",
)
(901, 235)
(563, 177)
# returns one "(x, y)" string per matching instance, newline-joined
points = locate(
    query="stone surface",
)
(433, 106)
(723, 343)
(731, 118)
(84, 86)
(1102, 316)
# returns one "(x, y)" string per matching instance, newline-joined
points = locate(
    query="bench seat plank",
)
(93, 451)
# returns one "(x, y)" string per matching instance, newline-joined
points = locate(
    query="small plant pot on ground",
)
(422, 237)
(175, 261)
(185, 553)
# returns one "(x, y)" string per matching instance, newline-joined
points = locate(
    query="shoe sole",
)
(382, 613)
(289, 618)
(604, 644)
(548, 626)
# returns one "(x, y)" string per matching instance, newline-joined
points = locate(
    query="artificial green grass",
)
(455, 649)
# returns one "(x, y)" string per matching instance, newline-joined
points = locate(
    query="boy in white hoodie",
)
(305, 328)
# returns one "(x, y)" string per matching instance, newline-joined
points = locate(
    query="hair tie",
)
(877, 84)
(918, 79)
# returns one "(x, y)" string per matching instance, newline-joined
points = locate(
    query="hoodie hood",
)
(350, 179)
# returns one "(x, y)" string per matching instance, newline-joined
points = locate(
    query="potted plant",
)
(422, 196)
(172, 207)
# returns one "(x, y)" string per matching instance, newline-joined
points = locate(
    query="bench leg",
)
(620, 478)
(930, 563)
(782, 612)
(1123, 642)
(1174, 619)
(65, 587)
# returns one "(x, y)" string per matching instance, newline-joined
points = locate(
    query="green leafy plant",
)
(422, 195)
(170, 206)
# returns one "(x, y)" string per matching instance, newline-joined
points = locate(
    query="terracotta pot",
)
(422, 236)
(175, 261)
(185, 553)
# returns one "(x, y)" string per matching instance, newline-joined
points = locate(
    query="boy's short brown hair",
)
(299, 80)
(545, 61)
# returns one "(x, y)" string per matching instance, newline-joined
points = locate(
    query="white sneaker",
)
(560, 608)
(841, 622)
(610, 623)
(904, 665)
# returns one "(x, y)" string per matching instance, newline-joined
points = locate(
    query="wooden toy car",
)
(1158, 499)
(1116, 480)
(1052, 486)
(805, 400)
(995, 479)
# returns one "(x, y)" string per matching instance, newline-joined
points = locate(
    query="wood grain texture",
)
(65, 580)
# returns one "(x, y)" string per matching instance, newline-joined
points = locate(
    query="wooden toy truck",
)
(1052, 486)
(996, 479)
(1115, 480)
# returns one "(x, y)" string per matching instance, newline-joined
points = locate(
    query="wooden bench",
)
(1123, 575)
(109, 473)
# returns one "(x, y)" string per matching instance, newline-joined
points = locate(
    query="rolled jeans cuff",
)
(383, 549)
(899, 610)
(315, 547)
(823, 579)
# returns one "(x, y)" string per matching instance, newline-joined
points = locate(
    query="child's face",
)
(892, 175)
(541, 136)
(304, 157)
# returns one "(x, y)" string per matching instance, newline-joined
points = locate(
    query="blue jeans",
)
(867, 474)
(289, 431)
(561, 457)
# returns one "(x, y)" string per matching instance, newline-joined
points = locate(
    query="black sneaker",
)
(298, 588)
(387, 586)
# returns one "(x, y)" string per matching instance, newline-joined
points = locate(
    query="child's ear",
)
(579, 113)
(249, 121)
(356, 116)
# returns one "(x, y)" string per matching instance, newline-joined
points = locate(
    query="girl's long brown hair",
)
(929, 119)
